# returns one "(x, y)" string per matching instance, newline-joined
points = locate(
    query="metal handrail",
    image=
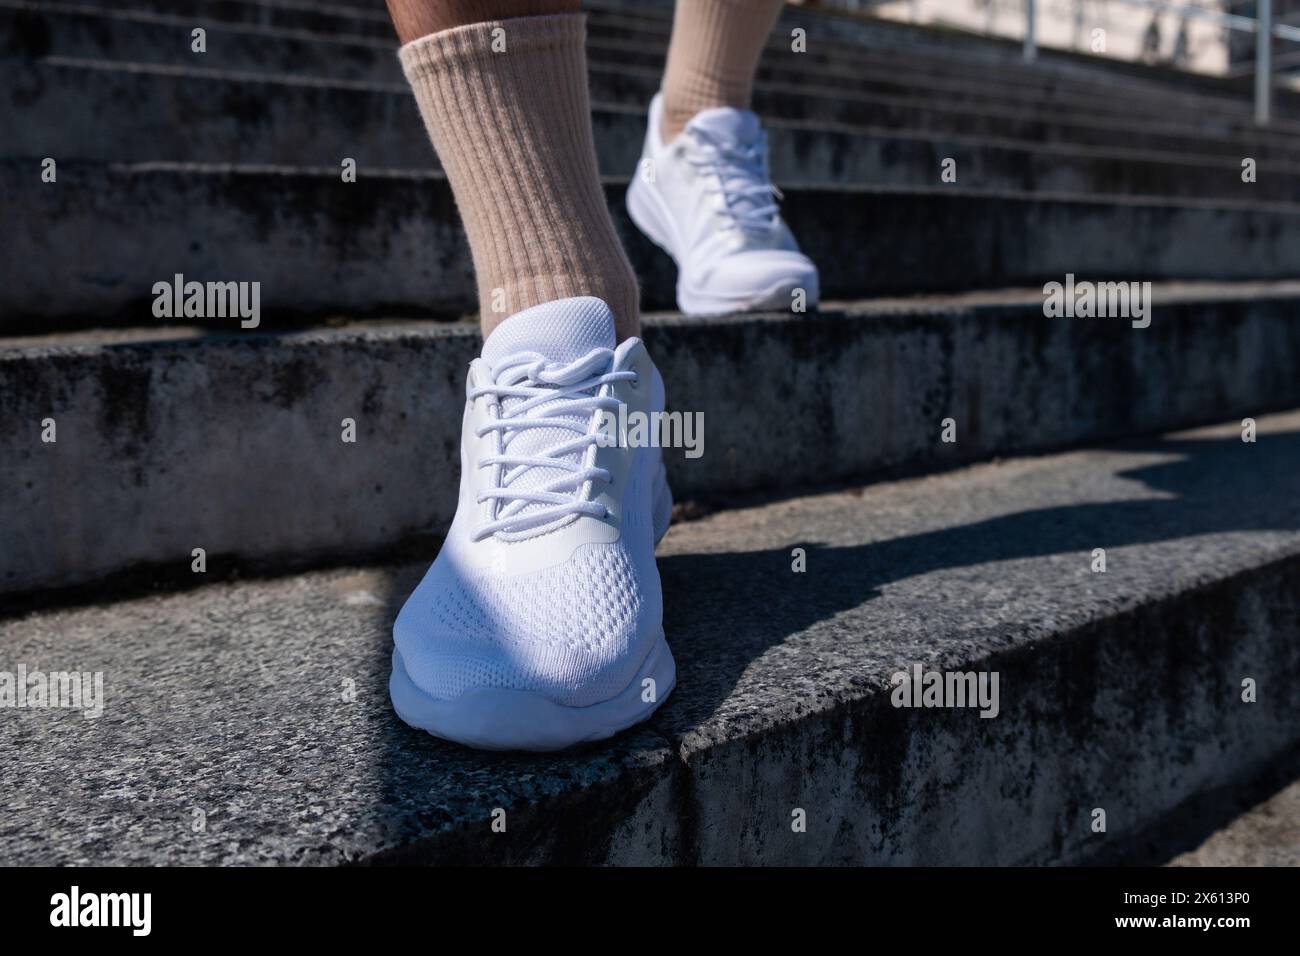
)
(1263, 66)
(1230, 21)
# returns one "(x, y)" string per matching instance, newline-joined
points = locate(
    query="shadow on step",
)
(1187, 826)
(724, 610)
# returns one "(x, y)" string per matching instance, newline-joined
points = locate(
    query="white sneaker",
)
(707, 200)
(540, 624)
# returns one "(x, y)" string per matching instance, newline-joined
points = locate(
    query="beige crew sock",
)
(713, 56)
(513, 131)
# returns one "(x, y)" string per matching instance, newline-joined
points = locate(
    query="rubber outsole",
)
(494, 718)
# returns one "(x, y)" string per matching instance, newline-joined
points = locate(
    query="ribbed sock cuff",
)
(714, 53)
(505, 103)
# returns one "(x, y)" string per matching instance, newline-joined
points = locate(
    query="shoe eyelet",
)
(635, 383)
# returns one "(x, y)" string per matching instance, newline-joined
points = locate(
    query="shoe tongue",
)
(562, 331)
(738, 128)
(728, 124)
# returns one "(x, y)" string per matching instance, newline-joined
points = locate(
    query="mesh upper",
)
(568, 631)
(575, 632)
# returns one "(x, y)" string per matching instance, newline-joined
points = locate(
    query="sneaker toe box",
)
(574, 633)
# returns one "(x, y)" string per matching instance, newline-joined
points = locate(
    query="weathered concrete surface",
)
(835, 40)
(89, 248)
(915, 88)
(241, 106)
(1266, 835)
(231, 702)
(943, 44)
(628, 70)
(367, 19)
(303, 121)
(1118, 691)
(232, 442)
(100, 110)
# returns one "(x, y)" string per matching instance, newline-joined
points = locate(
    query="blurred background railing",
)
(1215, 37)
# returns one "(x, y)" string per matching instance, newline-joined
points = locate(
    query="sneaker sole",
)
(494, 718)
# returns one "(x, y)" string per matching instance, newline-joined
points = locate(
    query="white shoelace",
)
(570, 394)
(745, 185)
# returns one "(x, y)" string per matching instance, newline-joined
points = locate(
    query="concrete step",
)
(231, 442)
(248, 722)
(1267, 834)
(904, 103)
(850, 34)
(160, 39)
(282, 120)
(1044, 124)
(837, 39)
(342, 19)
(38, 30)
(1094, 83)
(1095, 117)
(259, 117)
(103, 235)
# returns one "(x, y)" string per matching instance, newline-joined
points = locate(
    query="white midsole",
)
(495, 718)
